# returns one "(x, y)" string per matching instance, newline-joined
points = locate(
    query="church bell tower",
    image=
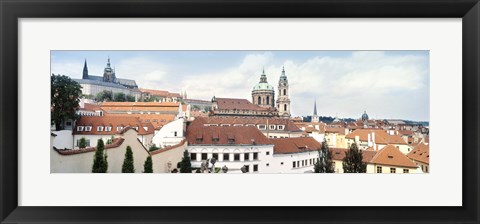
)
(283, 101)
(85, 70)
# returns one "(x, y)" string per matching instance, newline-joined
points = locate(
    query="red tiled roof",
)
(115, 143)
(110, 121)
(391, 156)
(91, 107)
(420, 153)
(242, 135)
(339, 154)
(294, 145)
(239, 104)
(381, 136)
(288, 124)
(160, 93)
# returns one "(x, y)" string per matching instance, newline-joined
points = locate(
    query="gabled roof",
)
(110, 121)
(339, 154)
(222, 135)
(391, 156)
(294, 145)
(160, 93)
(420, 153)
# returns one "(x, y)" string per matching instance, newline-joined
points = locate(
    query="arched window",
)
(284, 92)
(268, 100)
(259, 101)
(284, 107)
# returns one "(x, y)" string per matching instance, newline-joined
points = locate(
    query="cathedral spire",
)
(315, 108)
(85, 70)
(108, 62)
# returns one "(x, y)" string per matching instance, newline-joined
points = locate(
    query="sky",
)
(385, 84)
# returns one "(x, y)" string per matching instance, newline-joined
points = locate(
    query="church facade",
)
(91, 84)
(263, 102)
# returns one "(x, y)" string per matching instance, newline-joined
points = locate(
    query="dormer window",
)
(88, 128)
(281, 127)
(119, 128)
(271, 127)
(108, 128)
(136, 128)
(262, 127)
(231, 139)
(100, 128)
(79, 128)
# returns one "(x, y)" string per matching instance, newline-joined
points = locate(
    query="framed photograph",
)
(252, 112)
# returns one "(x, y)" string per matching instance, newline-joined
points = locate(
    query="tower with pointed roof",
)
(85, 70)
(109, 73)
(263, 93)
(315, 117)
(283, 101)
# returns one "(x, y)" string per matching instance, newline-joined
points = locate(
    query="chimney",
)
(369, 140)
(357, 139)
(373, 140)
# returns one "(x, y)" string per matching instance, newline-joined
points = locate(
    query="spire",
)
(315, 108)
(85, 70)
(108, 62)
(263, 77)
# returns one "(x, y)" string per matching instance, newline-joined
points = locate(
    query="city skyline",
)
(387, 84)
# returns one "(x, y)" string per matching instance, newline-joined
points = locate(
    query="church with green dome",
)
(263, 95)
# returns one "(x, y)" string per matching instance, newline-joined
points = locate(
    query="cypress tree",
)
(148, 165)
(185, 164)
(325, 162)
(82, 143)
(352, 163)
(127, 166)
(100, 164)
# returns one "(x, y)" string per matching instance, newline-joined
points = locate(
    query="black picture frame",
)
(11, 11)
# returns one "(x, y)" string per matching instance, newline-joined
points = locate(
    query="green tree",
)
(100, 163)
(352, 163)
(186, 164)
(153, 148)
(82, 143)
(105, 95)
(119, 97)
(127, 166)
(130, 98)
(64, 99)
(148, 165)
(325, 162)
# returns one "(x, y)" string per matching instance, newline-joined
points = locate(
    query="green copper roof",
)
(263, 86)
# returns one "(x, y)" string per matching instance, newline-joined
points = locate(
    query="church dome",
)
(364, 116)
(263, 86)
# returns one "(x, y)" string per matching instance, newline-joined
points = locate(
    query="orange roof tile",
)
(339, 154)
(420, 153)
(294, 145)
(242, 135)
(391, 156)
(239, 104)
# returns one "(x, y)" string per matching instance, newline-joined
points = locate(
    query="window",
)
(426, 169)
(303, 163)
(69, 123)
(393, 170)
(247, 156)
(262, 127)
(268, 153)
(215, 155)
(284, 92)
(294, 164)
(175, 134)
(226, 157)
(271, 127)
(108, 128)
(236, 157)
(193, 156)
(268, 100)
(255, 155)
(88, 128)
(255, 168)
(298, 163)
(119, 128)
(405, 170)
(379, 169)
(204, 156)
(247, 168)
(79, 128)
(285, 107)
(280, 127)
(259, 100)
(100, 128)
